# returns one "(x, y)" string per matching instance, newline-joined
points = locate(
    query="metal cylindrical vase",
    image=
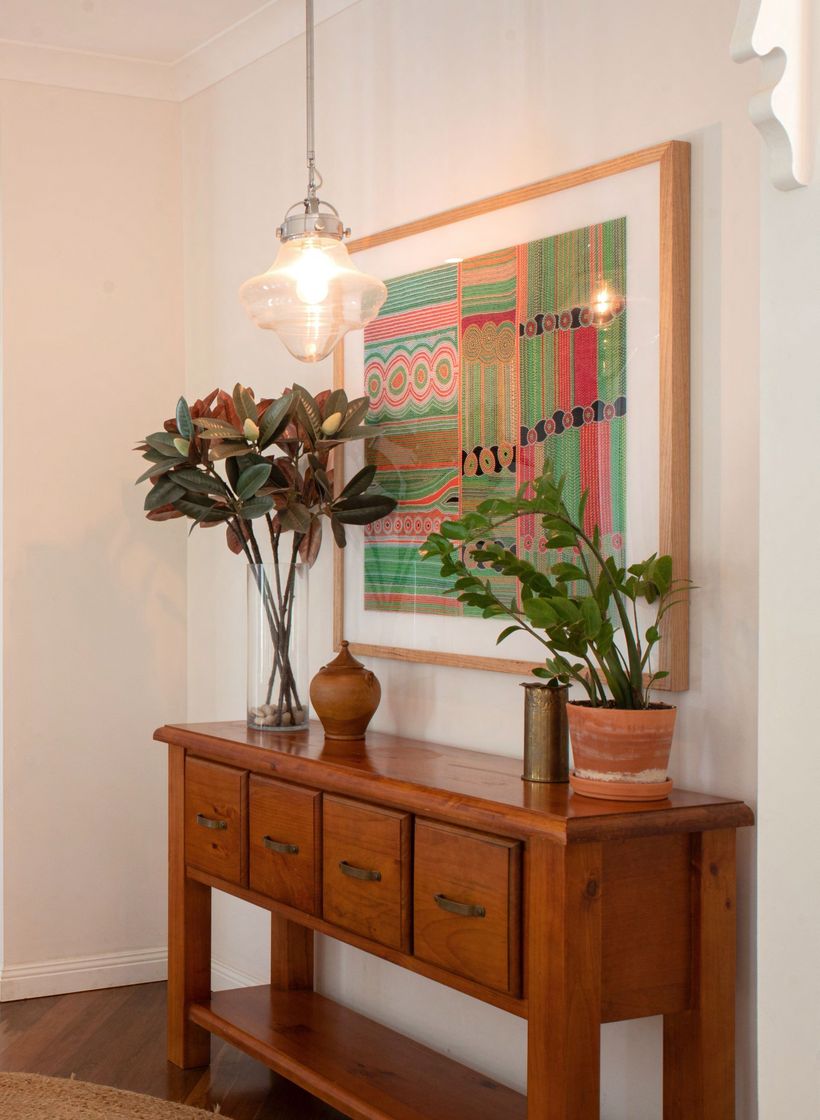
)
(546, 735)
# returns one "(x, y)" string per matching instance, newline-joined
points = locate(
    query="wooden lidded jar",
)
(345, 696)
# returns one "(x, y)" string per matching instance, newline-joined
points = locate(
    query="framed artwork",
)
(551, 321)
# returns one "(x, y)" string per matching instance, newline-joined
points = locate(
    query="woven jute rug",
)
(28, 1096)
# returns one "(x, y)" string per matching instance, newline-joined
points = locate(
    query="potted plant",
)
(276, 490)
(584, 610)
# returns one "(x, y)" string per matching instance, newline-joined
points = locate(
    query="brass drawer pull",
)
(208, 822)
(463, 909)
(359, 872)
(280, 846)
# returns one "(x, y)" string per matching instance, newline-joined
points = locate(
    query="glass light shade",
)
(312, 295)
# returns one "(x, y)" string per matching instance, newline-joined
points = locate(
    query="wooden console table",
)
(565, 911)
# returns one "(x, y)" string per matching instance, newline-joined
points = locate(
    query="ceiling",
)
(161, 31)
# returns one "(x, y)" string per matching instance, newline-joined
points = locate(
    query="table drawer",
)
(467, 904)
(285, 843)
(367, 870)
(216, 819)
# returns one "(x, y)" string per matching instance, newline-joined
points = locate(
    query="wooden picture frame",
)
(673, 160)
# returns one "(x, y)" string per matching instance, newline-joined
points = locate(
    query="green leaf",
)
(163, 494)
(653, 635)
(244, 403)
(363, 511)
(163, 442)
(566, 610)
(359, 482)
(452, 530)
(591, 614)
(661, 573)
(339, 534)
(192, 509)
(274, 419)
(541, 613)
(184, 422)
(217, 429)
(568, 572)
(159, 468)
(251, 479)
(605, 638)
(582, 505)
(336, 402)
(356, 412)
(209, 518)
(553, 673)
(561, 540)
(324, 483)
(226, 450)
(256, 507)
(506, 633)
(199, 481)
(296, 518)
(309, 413)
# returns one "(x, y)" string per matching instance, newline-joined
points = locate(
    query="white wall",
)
(94, 596)
(423, 106)
(789, 762)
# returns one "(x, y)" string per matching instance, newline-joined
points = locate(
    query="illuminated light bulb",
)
(312, 271)
(603, 302)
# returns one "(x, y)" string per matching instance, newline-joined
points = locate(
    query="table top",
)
(463, 786)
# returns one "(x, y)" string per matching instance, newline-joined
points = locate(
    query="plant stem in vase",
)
(277, 646)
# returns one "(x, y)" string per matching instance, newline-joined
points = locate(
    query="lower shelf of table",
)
(359, 1067)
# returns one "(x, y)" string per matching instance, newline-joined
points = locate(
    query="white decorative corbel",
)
(779, 33)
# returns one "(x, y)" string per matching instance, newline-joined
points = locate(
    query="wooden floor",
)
(117, 1037)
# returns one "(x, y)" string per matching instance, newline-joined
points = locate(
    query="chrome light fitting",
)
(313, 294)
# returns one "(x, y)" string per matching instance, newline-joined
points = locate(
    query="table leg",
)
(291, 955)
(699, 1044)
(189, 933)
(564, 980)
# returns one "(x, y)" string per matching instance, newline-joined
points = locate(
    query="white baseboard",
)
(106, 970)
(226, 976)
(82, 974)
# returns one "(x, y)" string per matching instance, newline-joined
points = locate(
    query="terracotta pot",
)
(345, 696)
(621, 755)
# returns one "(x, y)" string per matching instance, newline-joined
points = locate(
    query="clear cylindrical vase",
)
(278, 679)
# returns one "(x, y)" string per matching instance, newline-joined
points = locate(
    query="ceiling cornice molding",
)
(100, 73)
(778, 32)
(264, 31)
(240, 45)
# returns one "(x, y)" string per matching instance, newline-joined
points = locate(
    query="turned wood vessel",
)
(345, 696)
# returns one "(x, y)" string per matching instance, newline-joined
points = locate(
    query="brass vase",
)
(345, 696)
(546, 733)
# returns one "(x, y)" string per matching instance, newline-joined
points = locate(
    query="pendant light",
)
(313, 294)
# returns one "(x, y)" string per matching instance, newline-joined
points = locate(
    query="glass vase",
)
(277, 668)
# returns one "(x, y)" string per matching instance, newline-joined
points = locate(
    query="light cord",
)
(309, 73)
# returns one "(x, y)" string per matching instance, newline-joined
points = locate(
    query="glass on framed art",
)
(534, 328)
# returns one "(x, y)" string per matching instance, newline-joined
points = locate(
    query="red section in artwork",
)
(526, 464)
(496, 317)
(595, 477)
(586, 365)
(563, 350)
(412, 322)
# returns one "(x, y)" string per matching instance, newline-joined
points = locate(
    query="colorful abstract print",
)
(476, 373)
